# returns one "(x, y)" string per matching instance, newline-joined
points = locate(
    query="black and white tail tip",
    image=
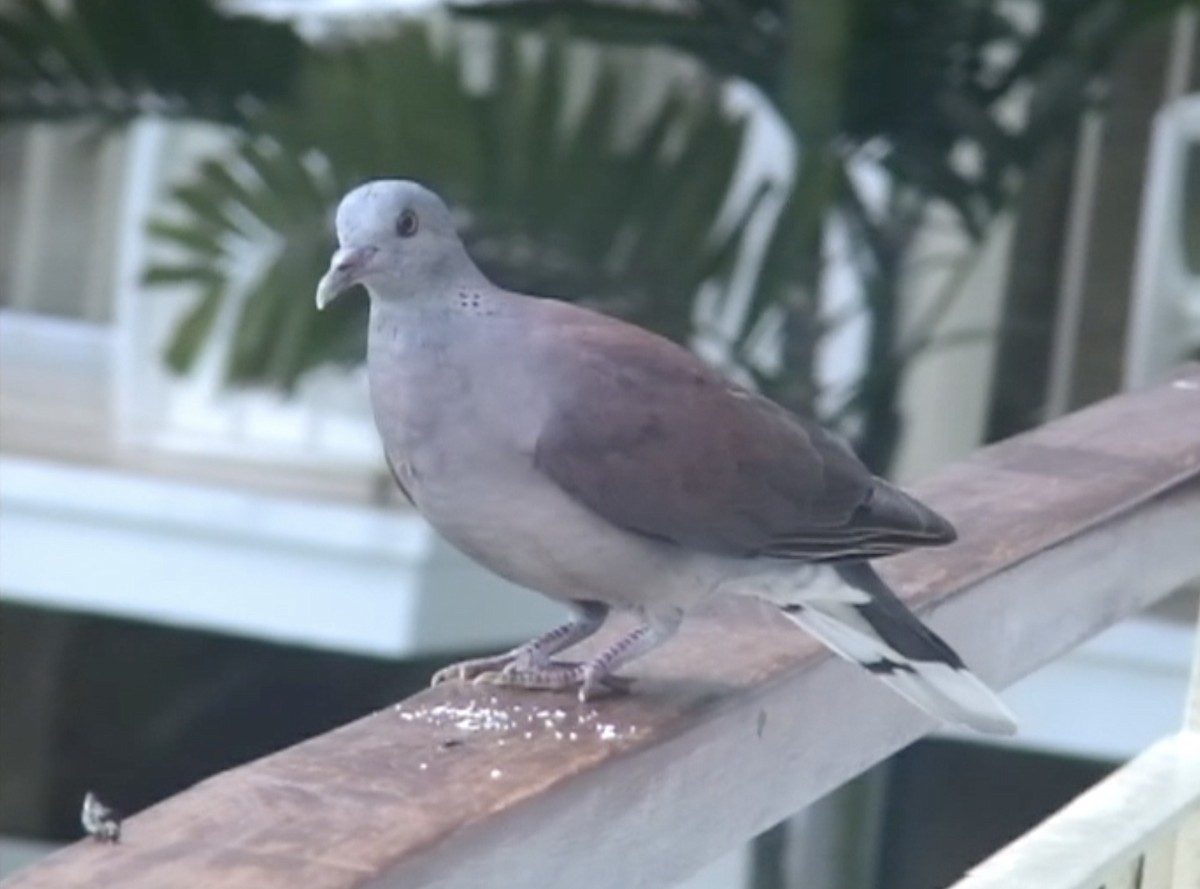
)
(882, 635)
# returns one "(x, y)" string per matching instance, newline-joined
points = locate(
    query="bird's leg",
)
(595, 677)
(597, 674)
(534, 654)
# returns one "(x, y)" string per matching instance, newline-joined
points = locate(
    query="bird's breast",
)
(449, 427)
(459, 418)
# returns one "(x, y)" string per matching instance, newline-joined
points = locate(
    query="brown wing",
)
(652, 440)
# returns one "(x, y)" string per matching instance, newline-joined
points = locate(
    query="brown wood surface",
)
(738, 722)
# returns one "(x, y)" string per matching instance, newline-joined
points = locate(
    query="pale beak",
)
(345, 270)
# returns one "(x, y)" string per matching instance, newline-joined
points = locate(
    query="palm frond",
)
(558, 201)
(728, 37)
(117, 59)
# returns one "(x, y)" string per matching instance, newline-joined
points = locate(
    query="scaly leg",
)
(533, 654)
(596, 676)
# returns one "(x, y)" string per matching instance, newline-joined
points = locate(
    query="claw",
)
(619, 684)
(489, 677)
(447, 674)
(594, 686)
(469, 671)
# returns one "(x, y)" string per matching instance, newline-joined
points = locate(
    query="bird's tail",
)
(882, 635)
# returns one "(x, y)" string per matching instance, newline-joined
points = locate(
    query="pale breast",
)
(525, 529)
(460, 432)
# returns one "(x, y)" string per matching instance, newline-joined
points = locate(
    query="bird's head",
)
(398, 239)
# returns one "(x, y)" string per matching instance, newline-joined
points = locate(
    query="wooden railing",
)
(738, 723)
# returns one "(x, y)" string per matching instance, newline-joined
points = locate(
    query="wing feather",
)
(648, 437)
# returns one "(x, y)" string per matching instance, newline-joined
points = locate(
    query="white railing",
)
(1137, 829)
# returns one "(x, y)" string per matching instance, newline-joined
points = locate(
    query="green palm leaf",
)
(557, 201)
(117, 59)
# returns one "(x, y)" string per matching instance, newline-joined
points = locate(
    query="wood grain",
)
(739, 722)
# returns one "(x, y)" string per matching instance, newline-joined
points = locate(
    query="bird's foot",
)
(476, 668)
(599, 686)
(555, 676)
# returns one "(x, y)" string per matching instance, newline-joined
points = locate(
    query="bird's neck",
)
(398, 326)
(419, 327)
(419, 360)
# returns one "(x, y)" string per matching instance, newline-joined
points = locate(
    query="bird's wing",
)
(648, 437)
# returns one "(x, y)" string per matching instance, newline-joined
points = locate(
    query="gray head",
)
(397, 238)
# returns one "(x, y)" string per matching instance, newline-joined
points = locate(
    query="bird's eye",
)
(406, 224)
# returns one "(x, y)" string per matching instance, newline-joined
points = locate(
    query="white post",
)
(1187, 843)
(1175, 863)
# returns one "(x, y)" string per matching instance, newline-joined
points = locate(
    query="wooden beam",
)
(738, 723)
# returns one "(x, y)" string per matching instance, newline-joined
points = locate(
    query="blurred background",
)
(932, 223)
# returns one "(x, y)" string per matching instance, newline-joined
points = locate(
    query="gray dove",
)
(611, 470)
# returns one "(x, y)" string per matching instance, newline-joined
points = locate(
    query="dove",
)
(611, 470)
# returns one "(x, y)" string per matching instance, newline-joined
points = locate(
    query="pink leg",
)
(533, 654)
(596, 676)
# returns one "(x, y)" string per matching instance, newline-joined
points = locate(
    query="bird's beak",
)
(345, 270)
